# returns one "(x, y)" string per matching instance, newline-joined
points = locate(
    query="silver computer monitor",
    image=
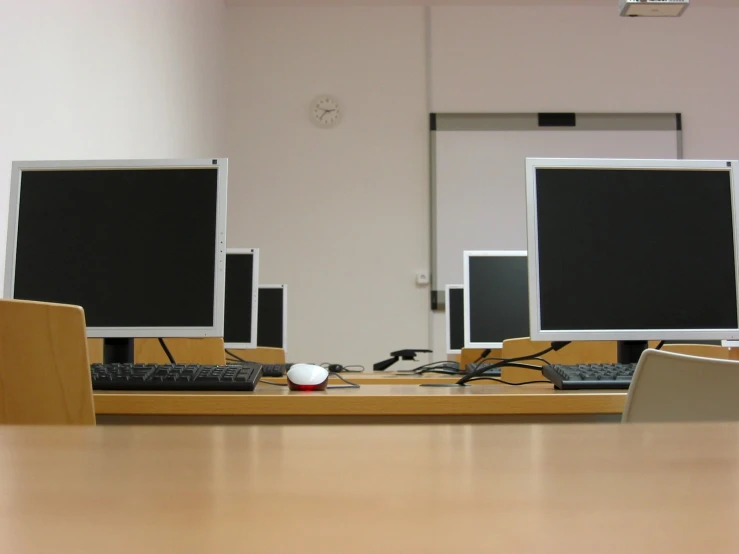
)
(139, 244)
(272, 319)
(242, 298)
(632, 250)
(454, 317)
(496, 302)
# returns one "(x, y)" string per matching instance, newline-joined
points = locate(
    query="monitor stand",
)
(629, 351)
(117, 351)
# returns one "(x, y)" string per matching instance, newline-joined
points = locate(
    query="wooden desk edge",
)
(295, 404)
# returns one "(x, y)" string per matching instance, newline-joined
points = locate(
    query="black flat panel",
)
(456, 318)
(133, 247)
(237, 324)
(270, 325)
(499, 302)
(626, 249)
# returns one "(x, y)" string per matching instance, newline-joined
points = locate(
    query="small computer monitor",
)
(139, 244)
(272, 320)
(632, 250)
(454, 316)
(242, 298)
(496, 301)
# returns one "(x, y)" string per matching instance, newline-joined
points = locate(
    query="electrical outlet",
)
(422, 277)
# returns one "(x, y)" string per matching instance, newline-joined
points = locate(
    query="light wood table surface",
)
(377, 403)
(406, 489)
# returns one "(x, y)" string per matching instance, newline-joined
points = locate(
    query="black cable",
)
(513, 364)
(432, 364)
(166, 351)
(349, 384)
(451, 367)
(483, 378)
(338, 368)
(538, 359)
(660, 345)
(481, 371)
(240, 359)
(441, 371)
(273, 383)
(483, 356)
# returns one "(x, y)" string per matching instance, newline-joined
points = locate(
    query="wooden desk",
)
(608, 489)
(375, 404)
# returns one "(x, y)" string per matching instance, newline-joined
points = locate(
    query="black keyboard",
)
(175, 377)
(274, 370)
(590, 376)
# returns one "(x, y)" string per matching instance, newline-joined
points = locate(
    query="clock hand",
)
(326, 112)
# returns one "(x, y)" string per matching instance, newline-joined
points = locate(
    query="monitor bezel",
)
(481, 254)
(448, 317)
(539, 334)
(254, 252)
(284, 315)
(220, 164)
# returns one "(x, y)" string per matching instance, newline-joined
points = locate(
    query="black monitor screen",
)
(456, 318)
(270, 326)
(237, 321)
(499, 301)
(133, 247)
(626, 249)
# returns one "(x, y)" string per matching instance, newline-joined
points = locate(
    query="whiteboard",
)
(479, 182)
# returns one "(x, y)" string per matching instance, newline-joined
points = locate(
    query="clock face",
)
(325, 111)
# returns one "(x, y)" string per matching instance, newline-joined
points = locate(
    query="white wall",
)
(108, 79)
(529, 59)
(340, 215)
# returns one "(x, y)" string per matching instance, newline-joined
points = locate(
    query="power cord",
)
(166, 351)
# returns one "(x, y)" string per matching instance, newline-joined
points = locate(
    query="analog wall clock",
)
(325, 111)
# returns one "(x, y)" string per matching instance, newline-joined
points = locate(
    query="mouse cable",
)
(659, 345)
(483, 378)
(273, 383)
(166, 351)
(349, 384)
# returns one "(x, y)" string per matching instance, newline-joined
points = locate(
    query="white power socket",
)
(422, 277)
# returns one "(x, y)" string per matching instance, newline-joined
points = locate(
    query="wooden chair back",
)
(262, 355)
(207, 350)
(44, 365)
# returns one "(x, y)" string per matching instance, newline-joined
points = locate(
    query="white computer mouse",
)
(307, 377)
